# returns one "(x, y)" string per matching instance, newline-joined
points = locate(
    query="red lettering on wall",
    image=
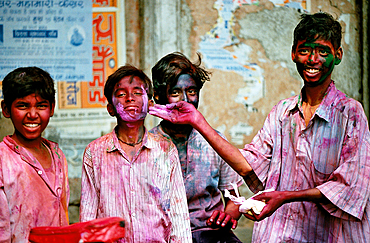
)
(101, 54)
(99, 32)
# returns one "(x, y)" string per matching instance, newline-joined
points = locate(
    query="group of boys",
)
(167, 183)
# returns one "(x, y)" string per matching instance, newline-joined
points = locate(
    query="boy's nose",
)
(130, 96)
(184, 97)
(313, 57)
(32, 112)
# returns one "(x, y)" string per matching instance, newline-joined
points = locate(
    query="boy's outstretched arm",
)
(185, 113)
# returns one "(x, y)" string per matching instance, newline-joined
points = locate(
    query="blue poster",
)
(53, 35)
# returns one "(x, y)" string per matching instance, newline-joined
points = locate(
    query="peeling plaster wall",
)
(268, 29)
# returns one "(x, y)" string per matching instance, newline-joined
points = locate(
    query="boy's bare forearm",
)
(311, 195)
(185, 113)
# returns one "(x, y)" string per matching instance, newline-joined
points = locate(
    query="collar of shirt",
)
(24, 153)
(147, 143)
(323, 110)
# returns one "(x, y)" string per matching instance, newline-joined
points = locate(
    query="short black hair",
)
(124, 71)
(168, 70)
(318, 26)
(24, 81)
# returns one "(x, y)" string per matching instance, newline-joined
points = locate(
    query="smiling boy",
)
(131, 173)
(313, 150)
(34, 187)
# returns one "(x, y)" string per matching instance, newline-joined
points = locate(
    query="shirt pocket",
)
(321, 172)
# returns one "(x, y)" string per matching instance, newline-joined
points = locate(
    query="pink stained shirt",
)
(331, 154)
(27, 198)
(148, 192)
(205, 175)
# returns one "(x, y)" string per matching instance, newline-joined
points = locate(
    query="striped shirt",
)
(148, 192)
(28, 196)
(205, 175)
(330, 154)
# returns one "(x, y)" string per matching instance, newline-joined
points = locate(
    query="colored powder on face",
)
(329, 61)
(129, 116)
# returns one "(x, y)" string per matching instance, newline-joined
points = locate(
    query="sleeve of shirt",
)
(66, 186)
(4, 212)
(179, 213)
(89, 197)
(258, 153)
(348, 187)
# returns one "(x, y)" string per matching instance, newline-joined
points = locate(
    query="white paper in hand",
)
(246, 205)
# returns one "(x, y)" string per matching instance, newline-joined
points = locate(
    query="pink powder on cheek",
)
(127, 116)
(145, 102)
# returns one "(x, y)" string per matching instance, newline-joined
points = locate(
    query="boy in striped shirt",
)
(131, 173)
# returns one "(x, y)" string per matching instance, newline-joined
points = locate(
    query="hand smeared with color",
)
(246, 205)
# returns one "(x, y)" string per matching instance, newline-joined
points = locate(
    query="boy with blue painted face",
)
(313, 150)
(206, 175)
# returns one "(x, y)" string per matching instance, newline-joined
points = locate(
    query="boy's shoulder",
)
(158, 140)
(102, 141)
(3, 145)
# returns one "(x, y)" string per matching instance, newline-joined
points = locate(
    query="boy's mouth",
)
(31, 125)
(312, 70)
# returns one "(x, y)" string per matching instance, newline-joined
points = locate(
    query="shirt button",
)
(133, 215)
(39, 172)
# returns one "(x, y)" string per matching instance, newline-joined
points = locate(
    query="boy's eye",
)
(323, 52)
(138, 93)
(42, 106)
(174, 93)
(303, 51)
(192, 92)
(21, 106)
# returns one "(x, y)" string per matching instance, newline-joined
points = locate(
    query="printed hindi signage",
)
(53, 35)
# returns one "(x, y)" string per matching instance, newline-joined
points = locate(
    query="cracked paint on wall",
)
(297, 4)
(238, 132)
(216, 56)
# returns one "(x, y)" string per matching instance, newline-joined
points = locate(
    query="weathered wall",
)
(258, 38)
(267, 29)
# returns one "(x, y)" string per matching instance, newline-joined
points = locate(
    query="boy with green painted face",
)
(313, 150)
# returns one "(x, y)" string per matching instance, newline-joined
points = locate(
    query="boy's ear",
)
(338, 56)
(156, 96)
(293, 54)
(5, 110)
(111, 110)
(52, 107)
(150, 103)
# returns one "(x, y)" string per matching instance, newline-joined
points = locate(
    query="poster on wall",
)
(81, 114)
(53, 35)
(78, 47)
